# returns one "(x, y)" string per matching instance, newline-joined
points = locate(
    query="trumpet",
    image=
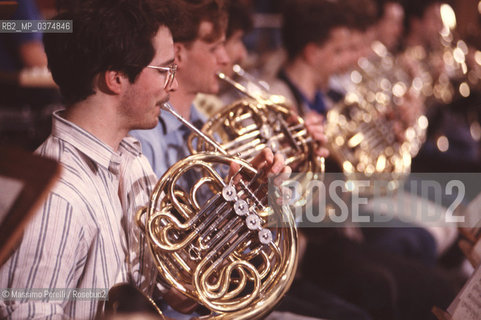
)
(220, 241)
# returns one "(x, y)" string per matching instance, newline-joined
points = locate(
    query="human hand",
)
(407, 114)
(271, 165)
(315, 126)
(268, 166)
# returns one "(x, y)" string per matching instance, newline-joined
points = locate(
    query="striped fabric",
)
(83, 235)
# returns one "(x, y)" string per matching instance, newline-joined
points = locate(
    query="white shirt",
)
(78, 237)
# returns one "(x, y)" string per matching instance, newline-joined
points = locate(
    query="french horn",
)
(360, 128)
(255, 122)
(220, 241)
(260, 120)
(360, 135)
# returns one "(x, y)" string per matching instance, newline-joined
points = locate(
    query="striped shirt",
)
(84, 234)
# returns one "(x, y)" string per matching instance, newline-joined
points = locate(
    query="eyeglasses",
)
(171, 70)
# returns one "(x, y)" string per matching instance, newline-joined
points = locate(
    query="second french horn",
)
(260, 120)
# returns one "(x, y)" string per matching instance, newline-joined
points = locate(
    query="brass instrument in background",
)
(233, 253)
(260, 120)
(360, 128)
(444, 73)
(448, 73)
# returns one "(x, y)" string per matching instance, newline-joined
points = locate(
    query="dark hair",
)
(239, 18)
(193, 12)
(380, 6)
(311, 21)
(107, 35)
(415, 9)
(361, 14)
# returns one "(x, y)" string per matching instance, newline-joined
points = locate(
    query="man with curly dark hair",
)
(114, 71)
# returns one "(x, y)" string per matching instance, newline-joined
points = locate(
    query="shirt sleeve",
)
(52, 254)
(137, 183)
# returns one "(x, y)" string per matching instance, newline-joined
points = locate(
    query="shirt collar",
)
(131, 145)
(317, 105)
(91, 146)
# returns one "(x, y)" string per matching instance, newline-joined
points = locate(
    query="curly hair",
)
(193, 12)
(416, 9)
(239, 18)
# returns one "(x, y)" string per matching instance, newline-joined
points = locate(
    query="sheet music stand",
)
(466, 304)
(35, 175)
(441, 314)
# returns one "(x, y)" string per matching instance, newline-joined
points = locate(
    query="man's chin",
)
(150, 125)
(214, 89)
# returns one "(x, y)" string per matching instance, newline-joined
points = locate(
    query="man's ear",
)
(179, 53)
(114, 80)
(310, 52)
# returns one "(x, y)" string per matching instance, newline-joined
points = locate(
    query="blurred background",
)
(28, 95)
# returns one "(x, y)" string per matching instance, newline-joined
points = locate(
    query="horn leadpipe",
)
(236, 85)
(242, 73)
(167, 107)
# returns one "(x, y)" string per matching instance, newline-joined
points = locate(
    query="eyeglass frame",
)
(171, 70)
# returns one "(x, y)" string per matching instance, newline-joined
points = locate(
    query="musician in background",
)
(82, 235)
(314, 55)
(381, 61)
(452, 143)
(389, 27)
(452, 137)
(318, 37)
(372, 26)
(422, 23)
(239, 24)
(383, 26)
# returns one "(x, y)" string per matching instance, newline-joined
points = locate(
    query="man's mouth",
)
(161, 103)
